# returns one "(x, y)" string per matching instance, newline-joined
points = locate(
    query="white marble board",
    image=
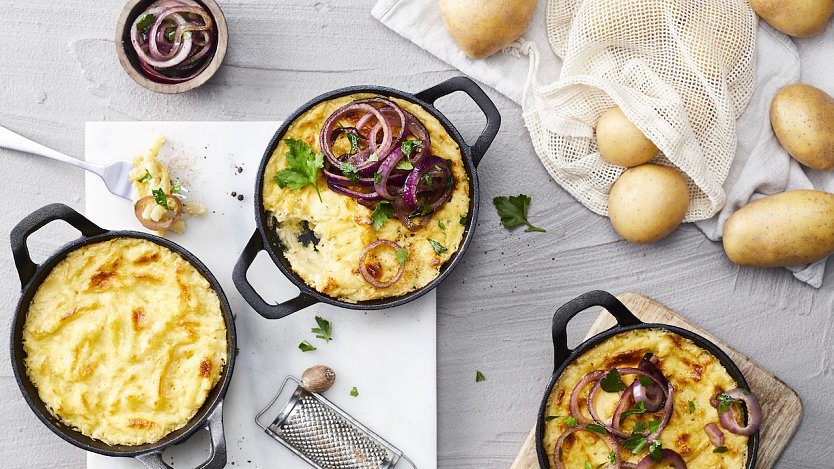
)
(390, 356)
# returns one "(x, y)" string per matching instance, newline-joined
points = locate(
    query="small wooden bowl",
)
(129, 61)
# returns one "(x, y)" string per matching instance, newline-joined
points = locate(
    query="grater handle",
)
(217, 457)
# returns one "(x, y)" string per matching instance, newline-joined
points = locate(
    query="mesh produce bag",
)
(681, 70)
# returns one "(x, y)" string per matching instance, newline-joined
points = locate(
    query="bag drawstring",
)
(528, 48)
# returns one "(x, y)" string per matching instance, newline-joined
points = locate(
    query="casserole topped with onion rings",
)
(647, 396)
(389, 204)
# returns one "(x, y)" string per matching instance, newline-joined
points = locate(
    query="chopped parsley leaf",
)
(354, 392)
(147, 177)
(639, 408)
(720, 449)
(383, 211)
(438, 248)
(571, 421)
(612, 382)
(402, 256)
(306, 347)
(479, 377)
(145, 23)
(350, 171)
(160, 198)
(325, 329)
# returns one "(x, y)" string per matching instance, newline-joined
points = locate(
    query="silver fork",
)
(115, 175)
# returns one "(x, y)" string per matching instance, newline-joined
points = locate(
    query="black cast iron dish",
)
(626, 321)
(32, 275)
(267, 239)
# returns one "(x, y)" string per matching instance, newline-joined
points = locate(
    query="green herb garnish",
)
(408, 146)
(513, 211)
(691, 407)
(654, 425)
(656, 451)
(350, 171)
(325, 329)
(147, 177)
(479, 377)
(383, 211)
(571, 421)
(588, 465)
(354, 392)
(373, 157)
(170, 34)
(720, 449)
(639, 408)
(306, 346)
(645, 381)
(428, 180)
(406, 165)
(353, 139)
(597, 428)
(612, 382)
(438, 248)
(176, 188)
(160, 198)
(464, 220)
(725, 403)
(145, 23)
(402, 256)
(441, 225)
(636, 442)
(551, 417)
(377, 178)
(302, 166)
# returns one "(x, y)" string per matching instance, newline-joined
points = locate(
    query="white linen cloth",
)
(761, 166)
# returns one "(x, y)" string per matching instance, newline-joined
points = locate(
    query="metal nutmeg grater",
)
(325, 436)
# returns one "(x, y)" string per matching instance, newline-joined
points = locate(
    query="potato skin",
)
(787, 229)
(620, 142)
(648, 202)
(798, 18)
(483, 27)
(802, 117)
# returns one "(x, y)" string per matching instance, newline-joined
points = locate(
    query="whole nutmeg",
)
(318, 379)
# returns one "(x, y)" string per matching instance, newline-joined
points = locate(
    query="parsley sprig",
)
(513, 211)
(324, 331)
(302, 166)
(612, 382)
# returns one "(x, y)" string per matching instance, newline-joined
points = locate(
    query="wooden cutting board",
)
(781, 406)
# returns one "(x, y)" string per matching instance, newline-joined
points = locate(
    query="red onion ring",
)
(174, 211)
(667, 457)
(612, 445)
(363, 269)
(591, 377)
(716, 436)
(754, 414)
(193, 43)
(625, 401)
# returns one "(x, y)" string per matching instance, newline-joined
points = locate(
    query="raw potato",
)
(800, 18)
(648, 202)
(787, 229)
(621, 142)
(803, 119)
(483, 27)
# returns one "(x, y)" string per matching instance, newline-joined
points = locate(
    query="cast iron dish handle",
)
(26, 268)
(217, 457)
(493, 117)
(253, 247)
(563, 315)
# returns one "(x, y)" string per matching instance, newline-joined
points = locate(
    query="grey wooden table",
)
(58, 69)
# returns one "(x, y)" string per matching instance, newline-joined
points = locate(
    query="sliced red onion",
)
(591, 377)
(172, 61)
(668, 457)
(716, 436)
(609, 440)
(626, 400)
(174, 212)
(363, 268)
(754, 414)
(366, 196)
